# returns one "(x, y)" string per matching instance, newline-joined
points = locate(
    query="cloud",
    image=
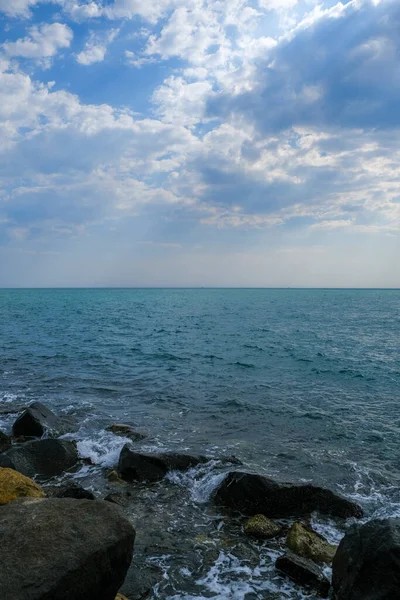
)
(43, 41)
(17, 8)
(96, 48)
(338, 68)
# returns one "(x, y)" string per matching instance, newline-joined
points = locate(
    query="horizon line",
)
(205, 287)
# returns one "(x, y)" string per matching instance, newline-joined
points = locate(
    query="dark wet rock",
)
(261, 527)
(306, 542)
(253, 494)
(65, 550)
(367, 563)
(120, 498)
(135, 466)
(5, 442)
(46, 458)
(37, 419)
(126, 431)
(303, 571)
(6, 462)
(69, 490)
(141, 579)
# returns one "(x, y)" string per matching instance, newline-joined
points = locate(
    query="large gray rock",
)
(46, 458)
(62, 549)
(253, 494)
(367, 563)
(136, 466)
(37, 420)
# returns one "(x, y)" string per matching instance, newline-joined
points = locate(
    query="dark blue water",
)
(304, 384)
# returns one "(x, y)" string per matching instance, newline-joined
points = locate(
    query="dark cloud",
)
(343, 70)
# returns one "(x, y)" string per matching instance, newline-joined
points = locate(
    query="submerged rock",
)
(303, 571)
(135, 466)
(13, 485)
(69, 490)
(308, 543)
(120, 498)
(47, 458)
(115, 478)
(37, 420)
(367, 562)
(5, 442)
(261, 527)
(126, 431)
(253, 494)
(65, 550)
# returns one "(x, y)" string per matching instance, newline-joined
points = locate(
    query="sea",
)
(298, 384)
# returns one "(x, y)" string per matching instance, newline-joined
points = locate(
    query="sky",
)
(249, 143)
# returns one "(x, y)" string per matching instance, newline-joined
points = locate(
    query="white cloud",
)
(91, 54)
(42, 42)
(96, 48)
(17, 8)
(81, 12)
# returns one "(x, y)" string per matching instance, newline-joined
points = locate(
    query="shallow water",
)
(298, 384)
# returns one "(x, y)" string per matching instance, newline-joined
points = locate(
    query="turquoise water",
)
(301, 384)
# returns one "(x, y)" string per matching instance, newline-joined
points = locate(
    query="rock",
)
(303, 571)
(69, 490)
(36, 420)
(6, 462)
(306, 542)
(63, 549)
(253, 494)
(135, 466)
(120, 498)
(115, 478)
(261, 527)
(126, 431)
(13, 485)
(47, 458)
(367, 562)
(5, 442)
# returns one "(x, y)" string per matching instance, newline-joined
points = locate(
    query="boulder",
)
(6, 462)
(303, 571)
(306, 542)
(253, 494)
(69, 490)
(261, 527)
(126, 431)
(135, 466)
(46, 458)
(37, 420)
(63, 549)
(13, 485)
(367, 562)
(5, 442)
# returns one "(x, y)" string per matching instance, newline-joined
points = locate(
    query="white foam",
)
(103, 450)
(201, 481)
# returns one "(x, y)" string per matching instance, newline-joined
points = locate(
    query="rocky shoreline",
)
(61, 541)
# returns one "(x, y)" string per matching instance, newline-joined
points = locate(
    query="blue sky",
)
(200, 142)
